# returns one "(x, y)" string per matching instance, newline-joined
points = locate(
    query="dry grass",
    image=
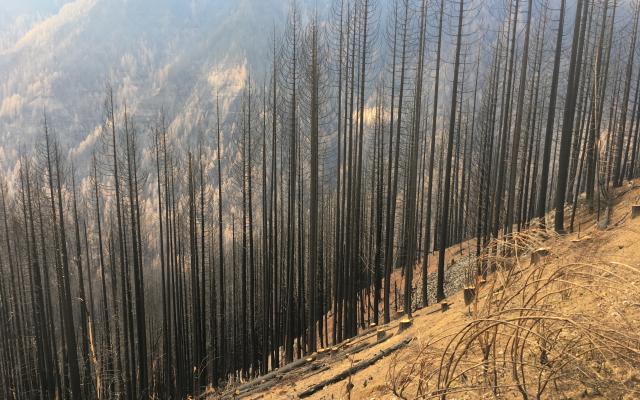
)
(566, 327)
(529, 337)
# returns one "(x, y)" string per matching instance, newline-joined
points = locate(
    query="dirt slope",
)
(412, 369)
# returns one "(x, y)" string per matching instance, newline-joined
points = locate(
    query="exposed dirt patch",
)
(592, 276)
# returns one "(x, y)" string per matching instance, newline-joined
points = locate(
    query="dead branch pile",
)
(540, 328)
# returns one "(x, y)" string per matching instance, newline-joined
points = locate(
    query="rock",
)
(455, 279)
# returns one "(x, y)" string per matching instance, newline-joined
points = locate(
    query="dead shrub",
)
(543, 330)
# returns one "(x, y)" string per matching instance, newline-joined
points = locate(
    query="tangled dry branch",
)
(539, 329)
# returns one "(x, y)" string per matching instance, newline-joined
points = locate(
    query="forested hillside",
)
(556, 318)
(194, 224)
(170, 54)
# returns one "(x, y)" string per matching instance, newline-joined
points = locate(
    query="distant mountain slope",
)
(170, 53)
(17, 17)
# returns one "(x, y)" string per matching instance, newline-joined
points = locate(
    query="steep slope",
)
(585, 286)
(18, 17)
(155, 53)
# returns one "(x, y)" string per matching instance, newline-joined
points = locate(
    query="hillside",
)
(229, 197)
(168, 54)
(568, 322)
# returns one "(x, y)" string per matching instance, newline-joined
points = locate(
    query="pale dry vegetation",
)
(540, 327)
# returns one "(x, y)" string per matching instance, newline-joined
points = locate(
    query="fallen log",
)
(261, 380)
(362, 347)
(348, 347)
(354, 369)
(265, 386)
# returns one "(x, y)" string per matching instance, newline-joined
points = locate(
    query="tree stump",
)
(380, 334)
(400, 312)
(635, 211)
(538, 254)
(469, 294)
(444, 306)
(405, 324)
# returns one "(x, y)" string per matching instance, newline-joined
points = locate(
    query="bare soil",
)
(618, 243)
